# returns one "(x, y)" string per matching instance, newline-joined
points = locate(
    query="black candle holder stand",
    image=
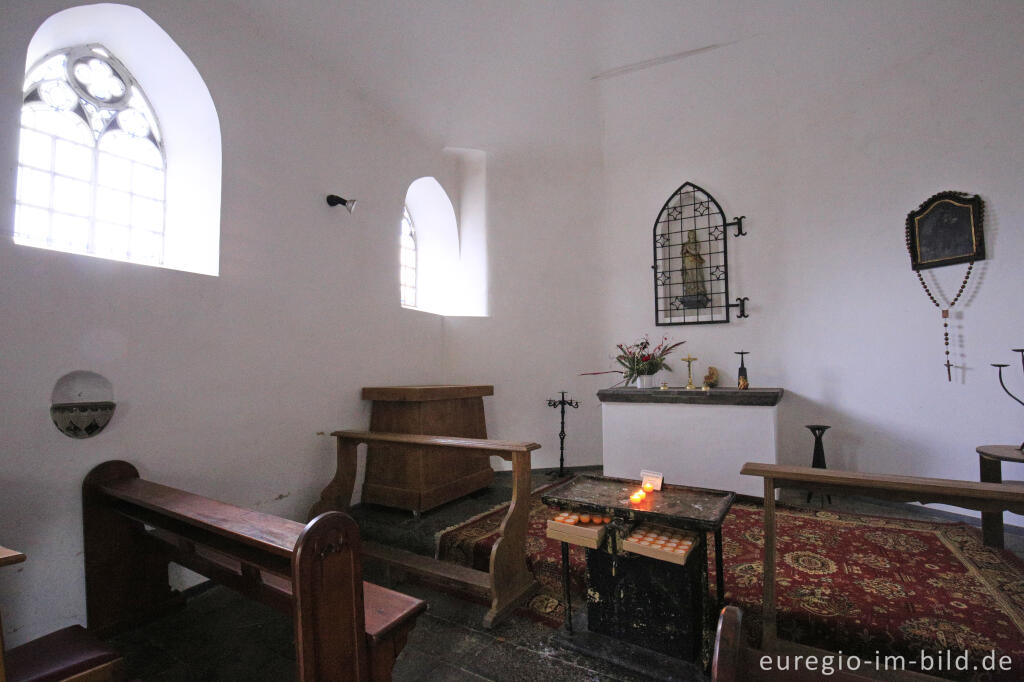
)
(818, 458)
(562, 402)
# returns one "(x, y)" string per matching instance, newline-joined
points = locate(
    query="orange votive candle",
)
(648, 487)
(637, 497)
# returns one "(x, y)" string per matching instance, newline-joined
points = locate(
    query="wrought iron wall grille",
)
(691, 265)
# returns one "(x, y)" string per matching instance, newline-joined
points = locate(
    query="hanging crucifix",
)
(945, 230)
(562, 402)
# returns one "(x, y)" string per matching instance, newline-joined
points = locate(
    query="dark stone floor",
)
(222, 636)
(402, 529)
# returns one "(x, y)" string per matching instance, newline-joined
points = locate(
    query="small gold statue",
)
(711, 378)
(743, 384)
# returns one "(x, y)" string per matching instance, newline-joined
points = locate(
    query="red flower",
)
(645, 358)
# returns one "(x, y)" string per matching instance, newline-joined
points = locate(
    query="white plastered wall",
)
(825, 128)
(825, 125)
(222, 383)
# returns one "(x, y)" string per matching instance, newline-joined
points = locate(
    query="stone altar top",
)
(712, 396)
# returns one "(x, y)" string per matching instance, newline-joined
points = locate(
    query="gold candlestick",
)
(689, 360)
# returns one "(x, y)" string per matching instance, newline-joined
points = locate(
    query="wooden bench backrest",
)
(966, 494)
(133, 528)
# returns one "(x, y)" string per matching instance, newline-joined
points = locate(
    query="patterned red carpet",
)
(859, 584)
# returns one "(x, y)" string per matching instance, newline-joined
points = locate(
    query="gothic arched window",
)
(91, 161)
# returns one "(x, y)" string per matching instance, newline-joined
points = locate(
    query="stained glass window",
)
(91, 162)
(408, 260)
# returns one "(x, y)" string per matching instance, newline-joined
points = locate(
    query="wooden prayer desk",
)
(407, 477)
(990, 460)
(681, 507)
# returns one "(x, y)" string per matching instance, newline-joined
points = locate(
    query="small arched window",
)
(408, 258)
(91, 161)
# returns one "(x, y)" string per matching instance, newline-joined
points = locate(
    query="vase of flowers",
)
(640, 362)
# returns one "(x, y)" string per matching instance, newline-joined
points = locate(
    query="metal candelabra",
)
(1000, 366)
(562, 402)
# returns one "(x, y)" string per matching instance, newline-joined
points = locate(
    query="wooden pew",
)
(734, 661)
(345, 629)
(509, 581)
(985, 497)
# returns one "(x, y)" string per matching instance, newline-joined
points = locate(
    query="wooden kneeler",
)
(345, 629)
(508, 582)
(68, 654)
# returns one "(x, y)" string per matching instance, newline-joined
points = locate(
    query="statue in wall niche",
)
(695, 292)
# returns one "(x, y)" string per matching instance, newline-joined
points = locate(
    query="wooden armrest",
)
(387, 610)
(58, 656)
(442, 441)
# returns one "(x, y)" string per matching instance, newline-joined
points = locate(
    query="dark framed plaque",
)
(946, 229)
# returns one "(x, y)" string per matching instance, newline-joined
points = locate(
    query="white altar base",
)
(692, 444)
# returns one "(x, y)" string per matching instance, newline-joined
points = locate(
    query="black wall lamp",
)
(335, 200)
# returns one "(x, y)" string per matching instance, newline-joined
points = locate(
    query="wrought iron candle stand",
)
(1000, 366)
(562, 402)
(818, 457)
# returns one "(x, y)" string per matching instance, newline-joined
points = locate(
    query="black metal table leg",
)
(991, 522)
(719, 569)
(565, 587)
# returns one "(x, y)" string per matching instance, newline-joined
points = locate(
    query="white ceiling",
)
(498, 74)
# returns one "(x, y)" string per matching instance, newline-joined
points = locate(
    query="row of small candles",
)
(640, 495)
(668, 540)
(573, 518)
